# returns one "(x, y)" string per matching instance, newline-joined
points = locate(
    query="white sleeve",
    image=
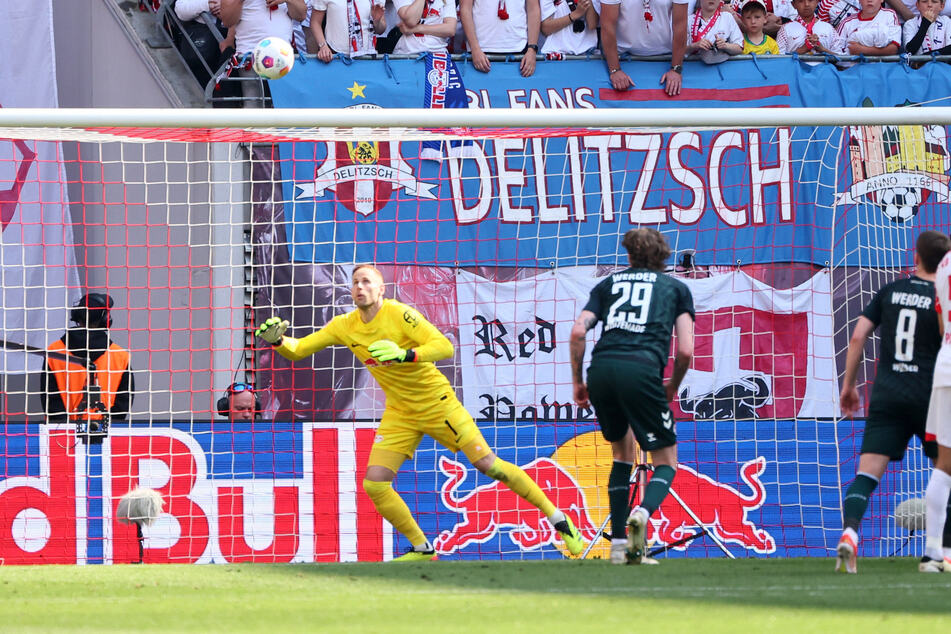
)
(909, 29)
(894, 30)
(188, 10)
(784, 9)
(736, 35)
(548, 8)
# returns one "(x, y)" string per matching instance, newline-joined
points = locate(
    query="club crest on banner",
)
(896, 167)
(364, 174)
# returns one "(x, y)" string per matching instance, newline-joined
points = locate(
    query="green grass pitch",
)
(717, 595)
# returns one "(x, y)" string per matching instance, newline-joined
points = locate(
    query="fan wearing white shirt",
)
(712, 31)
(570, 28)
(871, 31)
(807, 34)
(644, 27)
(351, 28)
(930, 32)
(426, 25)
(501, 26)
(253, 21)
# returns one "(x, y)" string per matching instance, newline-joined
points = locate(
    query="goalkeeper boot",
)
(570, 534)
(423, 552)
(637, 537)
(846, 554)
(927, 564)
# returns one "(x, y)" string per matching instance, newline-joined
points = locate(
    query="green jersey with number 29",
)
(638, 308)
(907, 323)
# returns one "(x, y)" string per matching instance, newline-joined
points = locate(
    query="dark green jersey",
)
(908, 329)
(638, 308)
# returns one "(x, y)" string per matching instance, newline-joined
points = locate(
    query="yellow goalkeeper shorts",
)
(401, 434)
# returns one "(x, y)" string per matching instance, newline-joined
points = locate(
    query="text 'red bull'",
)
(492, 508)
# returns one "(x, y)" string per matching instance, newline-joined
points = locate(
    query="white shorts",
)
(938, 426)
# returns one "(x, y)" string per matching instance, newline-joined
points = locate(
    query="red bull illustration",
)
(493, 508)
(575, 479)
(722, 509)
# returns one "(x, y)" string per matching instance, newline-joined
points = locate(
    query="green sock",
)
(619, 496)
(657, 488)
(856, 500)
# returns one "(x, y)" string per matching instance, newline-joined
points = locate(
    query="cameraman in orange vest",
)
(87, 380)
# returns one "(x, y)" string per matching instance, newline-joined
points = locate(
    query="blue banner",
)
(761, 487)
(740, 195)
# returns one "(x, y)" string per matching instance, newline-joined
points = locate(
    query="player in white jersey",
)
(939, 428)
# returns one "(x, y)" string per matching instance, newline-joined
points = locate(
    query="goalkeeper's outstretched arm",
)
(273, 330)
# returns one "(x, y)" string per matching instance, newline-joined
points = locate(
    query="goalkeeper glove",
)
(386, 350)
(272, 330)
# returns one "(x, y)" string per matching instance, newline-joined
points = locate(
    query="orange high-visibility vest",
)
(71, 378)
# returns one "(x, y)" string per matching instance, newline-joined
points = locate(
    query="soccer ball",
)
(910, 514)
(900, 204)
(273, 58)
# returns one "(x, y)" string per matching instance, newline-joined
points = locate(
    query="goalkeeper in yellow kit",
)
(398, 347)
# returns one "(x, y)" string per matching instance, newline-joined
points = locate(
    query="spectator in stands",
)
(807, 34)
(205, 45)
(930, 32)
(351, 28)
(87, 379)
(570, 27)
(835, 11)
(239, 403)
(714, 34)
(392, 34)
(872, 31)
(754, 19)
(778, 12)
(501, 27)
(303, 38)
(254, 20)
(644, 27)
(426, 25)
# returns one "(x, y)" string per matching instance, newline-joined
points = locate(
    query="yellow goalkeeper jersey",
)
(416, 387)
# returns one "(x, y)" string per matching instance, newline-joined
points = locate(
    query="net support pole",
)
(229, 214)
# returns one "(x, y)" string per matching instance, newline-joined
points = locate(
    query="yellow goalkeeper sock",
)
(391, 506)
(514, 478)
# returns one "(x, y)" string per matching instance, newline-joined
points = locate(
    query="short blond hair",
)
(366, 266)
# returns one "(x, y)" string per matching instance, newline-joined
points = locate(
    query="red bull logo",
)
(721, 509)
(494, 508)
(575, 479)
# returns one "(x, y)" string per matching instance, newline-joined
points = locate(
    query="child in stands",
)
(754, 19)
(807, 34)
(929, 32)
(713, 33)
(872, 31)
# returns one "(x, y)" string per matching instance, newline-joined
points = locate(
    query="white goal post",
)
(200, 223)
